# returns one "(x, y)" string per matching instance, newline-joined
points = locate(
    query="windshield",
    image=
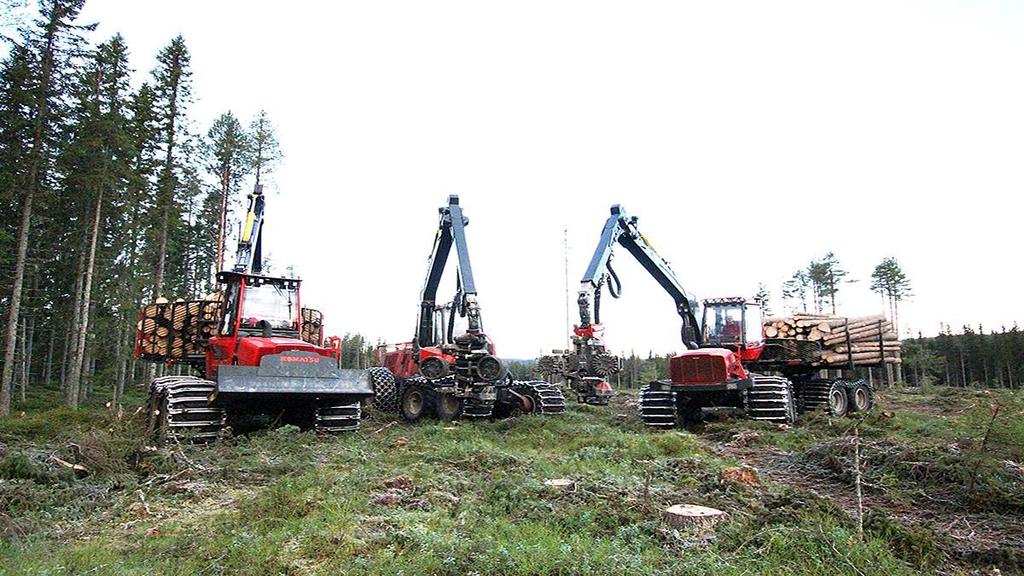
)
(723, 323)
(275, 304)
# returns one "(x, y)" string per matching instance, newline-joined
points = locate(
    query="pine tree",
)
(889, 280)
(831, 277)
(795, 289)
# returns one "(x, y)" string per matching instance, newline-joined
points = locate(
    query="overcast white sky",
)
(749, 137)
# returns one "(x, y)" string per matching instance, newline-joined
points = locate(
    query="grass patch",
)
(435, 498)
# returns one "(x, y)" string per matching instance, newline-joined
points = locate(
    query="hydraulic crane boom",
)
(621, 228)
(451, 230)
(249, 257)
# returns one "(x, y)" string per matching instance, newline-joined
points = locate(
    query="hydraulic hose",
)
(614, 284)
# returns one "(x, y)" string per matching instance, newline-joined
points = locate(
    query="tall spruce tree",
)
(231, 158)
(98, 155)
(54, 42)
(173, 86)
(266, 151)
(765, 296)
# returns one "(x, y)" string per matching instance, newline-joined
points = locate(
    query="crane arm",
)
(249, 256)
(622, 229)
(451, 231)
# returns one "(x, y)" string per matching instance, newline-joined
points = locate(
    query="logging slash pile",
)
(177, 329)
(868, 340)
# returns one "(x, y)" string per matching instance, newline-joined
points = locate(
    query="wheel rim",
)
(413, 403)
(837, 401)
(861, 398)
(448, 406)
(528, 405)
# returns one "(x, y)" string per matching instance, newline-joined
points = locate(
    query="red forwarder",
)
(256, 363)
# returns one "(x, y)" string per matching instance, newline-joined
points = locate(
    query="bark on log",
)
(869, 347)
(863, 332)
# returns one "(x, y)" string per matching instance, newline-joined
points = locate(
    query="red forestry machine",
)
(446, 375)
(727, 363)
(255, 350)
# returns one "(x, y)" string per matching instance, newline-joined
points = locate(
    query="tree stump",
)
(560, 484)
(691, 516)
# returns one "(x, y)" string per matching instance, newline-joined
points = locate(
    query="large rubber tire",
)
(449, 406)
(835, 395)
(415, 403)
(385, 389)
(658, 408)
(862, 397)
(838, 399)
(770, 399)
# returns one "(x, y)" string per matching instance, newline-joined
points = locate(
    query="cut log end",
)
(560, 483)
(693, 516)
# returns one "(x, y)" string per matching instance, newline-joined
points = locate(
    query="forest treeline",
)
(968, 357)
(111, 195)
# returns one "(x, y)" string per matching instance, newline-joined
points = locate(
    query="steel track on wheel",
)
(548, 398)
(770, 399)
(335, 418)
(181, 409)
(658, 408)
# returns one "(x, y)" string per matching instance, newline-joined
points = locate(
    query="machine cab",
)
(734, 323)
(260, 306)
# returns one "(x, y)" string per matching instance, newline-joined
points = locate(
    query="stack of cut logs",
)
(312, 326)
(173, 330)
(866, 341)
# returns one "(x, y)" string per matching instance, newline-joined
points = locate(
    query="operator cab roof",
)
(730, 300)
(257, 279)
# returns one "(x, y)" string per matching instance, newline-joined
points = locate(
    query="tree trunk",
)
(23, 360)
(168, 194)
(7, 376)
(122, 363)
(74, 380)
(224, 182)
(70, 342)
(64, 343)
(49, 356)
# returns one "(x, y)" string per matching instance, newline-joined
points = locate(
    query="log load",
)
(178, 330)
(867, 340)
(312, 327)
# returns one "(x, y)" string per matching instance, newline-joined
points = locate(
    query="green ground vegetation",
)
(470, 498)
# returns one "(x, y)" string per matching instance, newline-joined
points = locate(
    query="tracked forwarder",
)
(727, 361)
(447, 375)
(254, 351)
